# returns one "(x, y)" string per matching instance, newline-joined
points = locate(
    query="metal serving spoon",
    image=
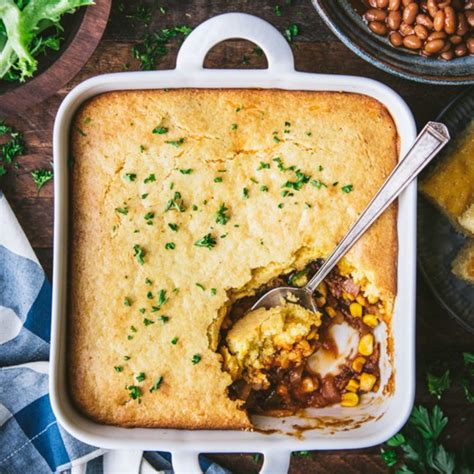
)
(427, 145)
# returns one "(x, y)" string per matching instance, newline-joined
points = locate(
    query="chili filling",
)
(283, 381)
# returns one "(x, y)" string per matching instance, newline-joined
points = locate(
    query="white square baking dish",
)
(363, 426)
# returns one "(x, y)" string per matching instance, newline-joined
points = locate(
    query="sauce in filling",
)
(279, 375)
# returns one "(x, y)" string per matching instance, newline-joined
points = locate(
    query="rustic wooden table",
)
(316, 49)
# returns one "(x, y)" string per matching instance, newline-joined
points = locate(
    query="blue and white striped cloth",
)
(30, 438)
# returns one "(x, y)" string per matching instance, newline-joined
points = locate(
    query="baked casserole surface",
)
(184, 201)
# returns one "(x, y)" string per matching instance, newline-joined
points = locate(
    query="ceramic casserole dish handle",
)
(280, 60)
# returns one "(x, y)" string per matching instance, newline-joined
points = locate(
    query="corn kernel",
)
(366, 345)
(320, 301)
(372, 299)
(361, 300)
(370, 320)
(348, 296)
(358, 364)
(367, 382)
(331, 312)
(349, 399)
(352, 385)
(356, 310)
(322, 289)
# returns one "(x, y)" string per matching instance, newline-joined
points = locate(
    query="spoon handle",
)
(429, 142)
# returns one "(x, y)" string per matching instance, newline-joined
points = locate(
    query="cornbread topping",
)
(185, 204)
(450, 185)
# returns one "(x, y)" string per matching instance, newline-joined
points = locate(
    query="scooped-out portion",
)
(287, 358)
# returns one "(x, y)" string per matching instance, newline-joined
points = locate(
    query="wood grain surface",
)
(315, 50)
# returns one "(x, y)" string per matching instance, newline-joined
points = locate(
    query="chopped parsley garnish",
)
(308, 205)
(175, 143)
(309, 134)
(122, 210)
(291, 31)
(127, 302)
(318, 184)
(135, 391)
(264, 188)
(144, 195)
(275, 137)
(281, 165)
(278, 11)
(118, 368)
(194, 207)
(186, 171)
(147, 322)
(140, 377)
(199, 285)
(238, 109)
(320, 168)
(149, 215)
(154, 45)
(347, 188)
(81, 132)
(280, 206)
(150, 179)
(296, 276)
(41, 177)
(173, 227)
(176, 203)
(170, 246)
(196, 359)
(149, 295)
(126, 357)
(162, 297)
(254, 180)
(157, 384)
(174, 340)
(335, 183)
(218, 180)
(301, 180)
(163, 318)
(234, 126)
(213, 292)
(207, 241)
(142, 310)
(12, 148)
(148, 281)
(142, 148)
(221, 216)
(155, 309)
(139, 253)
(263, 166)
(133, 329)
(129, 177)
(286, 193)
(160, 130)
(245, 193)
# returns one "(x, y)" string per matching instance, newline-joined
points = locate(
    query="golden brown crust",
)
(334, 137)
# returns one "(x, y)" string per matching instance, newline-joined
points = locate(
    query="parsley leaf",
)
(221, 216)
(173, 227)
(41, 177)
(139, 253)
(129, 177)
(175, 203)
(175, 143)
(291, 31)
(437, 385)
(208, 241)
(135, 392)
(157, 384)
(196, 359)
(186, 171)
(347, 188)
(159, 130)
(140, 377)
(170, 246)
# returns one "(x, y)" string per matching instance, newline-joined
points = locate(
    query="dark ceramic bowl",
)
(351, 29)
(438, 241)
